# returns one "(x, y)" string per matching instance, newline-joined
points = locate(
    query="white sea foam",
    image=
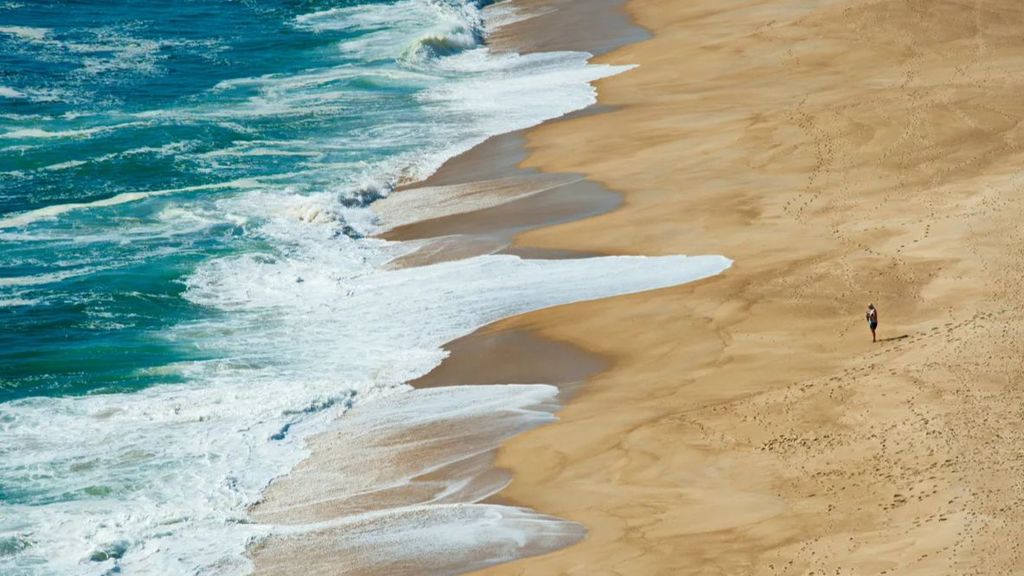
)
(388, 447)
(26, 133)
(26, 32)
(409, 29)
(40, 279)
(450, 538)
(49, 95)
(107, 50)
(115, 50)
(34, 133)
(139, 58)
(438, 201)
(51, 212)
(6, 92)
(164, 475)
(343, 330)
(501, 14)
(255, 152)
(65, 165)
(437, 539)
(13, 302)
(171, 149)
(392, 450)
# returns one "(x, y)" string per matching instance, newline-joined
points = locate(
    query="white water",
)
(25, 32)
(181, 462)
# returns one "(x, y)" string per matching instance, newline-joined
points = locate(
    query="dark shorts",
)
(873, 325)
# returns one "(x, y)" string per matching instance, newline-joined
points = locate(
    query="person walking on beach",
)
(872, 318)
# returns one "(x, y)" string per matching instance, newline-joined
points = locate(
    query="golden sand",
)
(842, 152)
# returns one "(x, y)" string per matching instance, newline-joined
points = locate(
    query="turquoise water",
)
(129, 97)
(189, 286)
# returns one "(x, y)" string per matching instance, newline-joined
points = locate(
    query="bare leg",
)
(873, 338)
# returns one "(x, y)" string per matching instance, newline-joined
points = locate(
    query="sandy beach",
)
(840, 153)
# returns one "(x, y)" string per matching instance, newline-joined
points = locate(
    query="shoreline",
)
(488, 201)
(477, 203)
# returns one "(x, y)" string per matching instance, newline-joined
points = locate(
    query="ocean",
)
(189, 282)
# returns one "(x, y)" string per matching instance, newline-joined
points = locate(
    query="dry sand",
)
(842, 152)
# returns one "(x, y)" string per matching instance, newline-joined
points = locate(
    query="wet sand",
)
(594, 26)
(842, 153)
(479, 201)
(503, 356)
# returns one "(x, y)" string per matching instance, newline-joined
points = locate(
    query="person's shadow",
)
(893, 338)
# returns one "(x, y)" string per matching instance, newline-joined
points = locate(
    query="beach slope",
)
(842, 153)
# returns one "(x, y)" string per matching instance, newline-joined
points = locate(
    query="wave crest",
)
(460, 27)
(439, 45)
